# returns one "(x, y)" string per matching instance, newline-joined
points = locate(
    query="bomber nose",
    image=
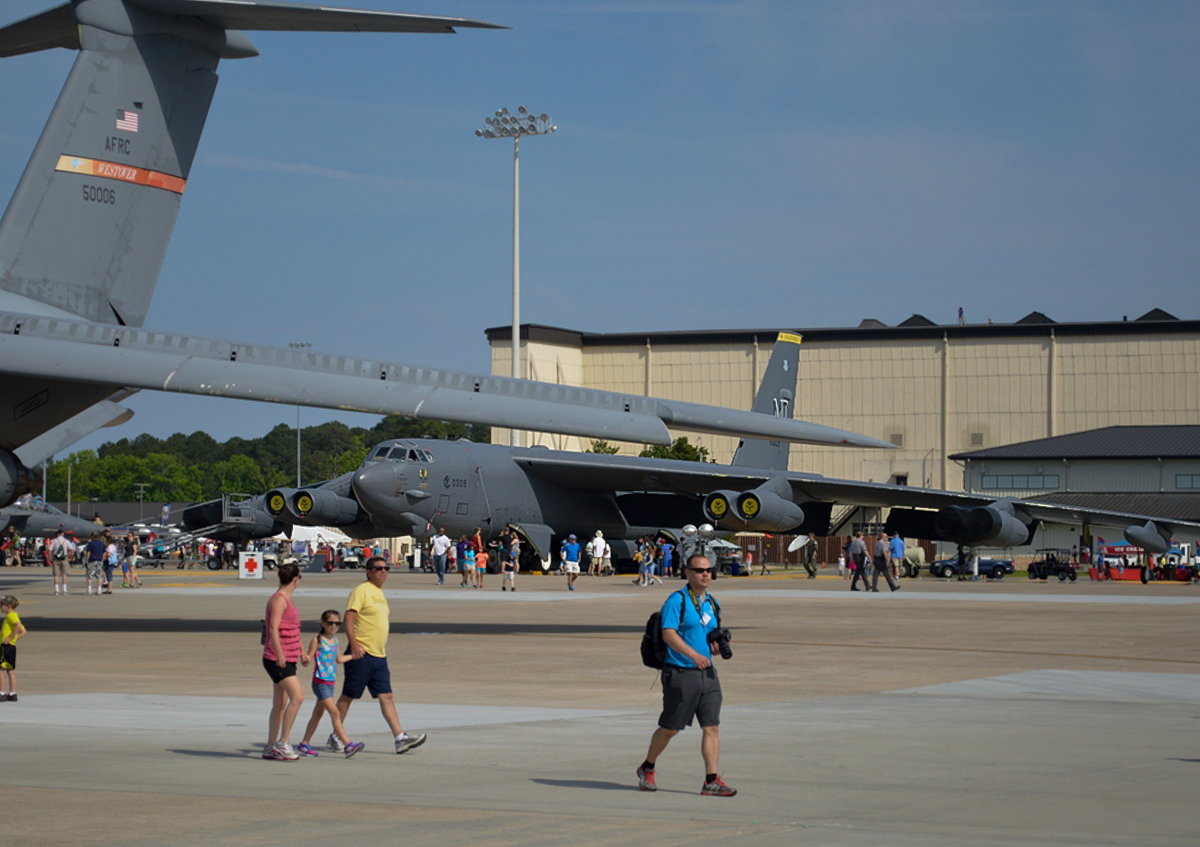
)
(376, 485)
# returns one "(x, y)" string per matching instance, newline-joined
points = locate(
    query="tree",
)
(681, 448)
(599, 445)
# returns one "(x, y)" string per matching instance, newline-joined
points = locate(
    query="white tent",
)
(310, 533)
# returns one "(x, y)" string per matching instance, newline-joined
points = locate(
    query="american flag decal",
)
(127, 120)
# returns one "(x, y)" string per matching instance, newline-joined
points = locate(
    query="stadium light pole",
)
(504, 124)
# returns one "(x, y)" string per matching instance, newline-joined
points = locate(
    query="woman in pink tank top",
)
(281, 651)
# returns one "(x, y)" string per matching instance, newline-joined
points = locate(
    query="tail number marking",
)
(99, 195)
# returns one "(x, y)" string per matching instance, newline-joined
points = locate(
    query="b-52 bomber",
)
(416, 486)
(84, 236)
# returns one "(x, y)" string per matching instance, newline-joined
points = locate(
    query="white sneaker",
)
(335, 744)
(287, 750)
(408, 742)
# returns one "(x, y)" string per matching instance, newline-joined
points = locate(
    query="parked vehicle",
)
(989, 568)
(1053, 562)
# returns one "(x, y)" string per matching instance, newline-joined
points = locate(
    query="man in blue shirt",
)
(689, 680)
(570, 561)
(897, 544)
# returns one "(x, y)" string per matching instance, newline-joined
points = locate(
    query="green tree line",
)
(198, 467)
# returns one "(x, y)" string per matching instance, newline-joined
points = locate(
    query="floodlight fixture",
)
(504, 124)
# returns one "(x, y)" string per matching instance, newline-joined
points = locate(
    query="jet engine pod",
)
(718, 506)
(765, 511)
(276, 500)
(16, 480)
(1148, 537)
(990, 525)
(321, 507)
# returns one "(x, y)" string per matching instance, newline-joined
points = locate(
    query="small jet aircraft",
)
(85, 234)
(34, 518)
(416, 486)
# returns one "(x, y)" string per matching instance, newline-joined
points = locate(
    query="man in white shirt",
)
(441, 543)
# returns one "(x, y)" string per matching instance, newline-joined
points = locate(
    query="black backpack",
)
(654, 649)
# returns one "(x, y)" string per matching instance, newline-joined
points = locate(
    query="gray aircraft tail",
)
(87, 228)
(776, 396)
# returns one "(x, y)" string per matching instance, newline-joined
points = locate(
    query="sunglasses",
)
(378, 568)
(331, 623)
(702, 570)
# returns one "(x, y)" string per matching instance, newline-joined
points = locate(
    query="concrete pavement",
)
(947, 713)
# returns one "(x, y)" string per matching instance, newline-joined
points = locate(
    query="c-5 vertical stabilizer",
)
(88, 226)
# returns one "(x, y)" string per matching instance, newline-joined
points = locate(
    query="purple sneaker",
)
(353, 747)
(306, 750)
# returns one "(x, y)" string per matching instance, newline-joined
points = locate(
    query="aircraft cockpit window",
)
(380, 453)
(428, 455)
(414, 456)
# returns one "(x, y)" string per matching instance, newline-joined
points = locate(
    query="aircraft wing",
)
(63, 354)
(917, 507)
(291, 17)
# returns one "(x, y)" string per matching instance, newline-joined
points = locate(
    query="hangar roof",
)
(1184, 507)
(1110, 442)
(916, 327)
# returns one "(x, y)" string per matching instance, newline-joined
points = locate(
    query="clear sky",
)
(716, 165)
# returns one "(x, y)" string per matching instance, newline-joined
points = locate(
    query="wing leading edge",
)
(81, 352)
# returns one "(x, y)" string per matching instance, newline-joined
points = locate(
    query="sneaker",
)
(287, 751)
(306, 750)
(12, 698)
(335, 744)
(717, 788)
(646, 779)
(272, 751)
(353, 747)
(408, 742)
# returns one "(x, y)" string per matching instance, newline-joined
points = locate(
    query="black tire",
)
(1074, 576)
(998, 573)
(1032, 573)
(947, 571)
(214, 564)
(1062, 576)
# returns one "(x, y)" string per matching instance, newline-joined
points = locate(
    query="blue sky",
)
(716, 165)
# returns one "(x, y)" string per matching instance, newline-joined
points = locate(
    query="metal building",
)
(934, 390)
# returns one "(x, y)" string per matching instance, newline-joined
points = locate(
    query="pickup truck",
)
(990, 568)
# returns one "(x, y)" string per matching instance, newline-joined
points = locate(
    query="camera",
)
(719, 638)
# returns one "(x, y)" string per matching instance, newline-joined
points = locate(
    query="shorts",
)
(370, 673)
(690, 693)
(322, 690)
(570, 567)
(8, 657)
(480, 568)
(277, 673)
(58, 567)
(94, 569)
(462, 567)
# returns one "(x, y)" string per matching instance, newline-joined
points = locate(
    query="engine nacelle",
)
(276, 500)
(1148, 537)
(320, 507)
(766, 511)
(989, 525)
(718, 507)
(16, 480)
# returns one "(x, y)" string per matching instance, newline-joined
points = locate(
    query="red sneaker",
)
(646, 779)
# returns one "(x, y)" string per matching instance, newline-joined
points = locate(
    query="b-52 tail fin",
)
(776, 396)
(88, 226)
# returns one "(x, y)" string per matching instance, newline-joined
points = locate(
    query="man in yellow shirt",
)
(367, 622)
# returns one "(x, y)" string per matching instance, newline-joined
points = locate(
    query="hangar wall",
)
(933, 390)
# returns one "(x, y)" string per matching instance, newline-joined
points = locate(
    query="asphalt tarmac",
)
(948, 713)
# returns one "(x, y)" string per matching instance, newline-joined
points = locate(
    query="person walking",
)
(691, 689)
(570, 560)
(857, 551)
(882, 553)
(281, 651)
(368, 620)
(323, 651)
(441, 545)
